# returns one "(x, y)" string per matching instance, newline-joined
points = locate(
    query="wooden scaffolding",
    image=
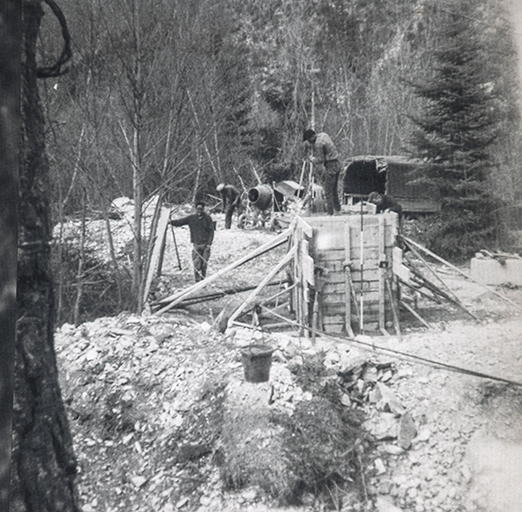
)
(341, 275)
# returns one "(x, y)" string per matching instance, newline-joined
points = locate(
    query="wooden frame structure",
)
(341, 275)
(344, 274)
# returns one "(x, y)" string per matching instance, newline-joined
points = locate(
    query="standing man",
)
(202, 229)
(325, 154)
(231, 199)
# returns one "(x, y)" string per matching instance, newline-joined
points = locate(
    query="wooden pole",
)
(288, 257)
(442, 260)
(175, 245)
(382, 276)
(395, 312)
(156, 252)
(361, 314)
(302, 175)
(348, 279)
(179, 296)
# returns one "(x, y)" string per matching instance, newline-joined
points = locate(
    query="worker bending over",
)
(202, 229)
(231, 199)
(384, 203)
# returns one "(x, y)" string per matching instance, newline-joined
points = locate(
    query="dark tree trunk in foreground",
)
(43, 466)
(10, 36)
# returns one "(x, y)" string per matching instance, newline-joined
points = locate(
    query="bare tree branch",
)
(57, 68)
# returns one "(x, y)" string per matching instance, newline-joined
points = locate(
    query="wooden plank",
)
(337, 289)
(306, 229)
(288, 257)
(338, 254)
(307, 263)
(382, 274)
(336, 265)
(337, 278)
(394, 308)
(335, 283)
(298, 276)
(333, 320)
(347, 264)
(175, 299)
(337, 308)
(399, 269)
(161, 232)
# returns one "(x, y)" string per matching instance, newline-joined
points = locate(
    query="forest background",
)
(170, 98)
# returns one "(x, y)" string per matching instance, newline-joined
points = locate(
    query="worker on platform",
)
(326, 156)
(202, 229)
(231, 199)
(385, 203)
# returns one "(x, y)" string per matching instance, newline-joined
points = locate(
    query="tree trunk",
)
(10, 36)
(43, 464)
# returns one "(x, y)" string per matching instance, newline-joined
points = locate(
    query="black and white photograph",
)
(261, 256)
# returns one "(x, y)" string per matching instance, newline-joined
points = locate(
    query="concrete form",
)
(344, 272)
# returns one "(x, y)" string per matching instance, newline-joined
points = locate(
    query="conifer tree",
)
(456, 132)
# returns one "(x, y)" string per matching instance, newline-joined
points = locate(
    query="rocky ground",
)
(145, 393)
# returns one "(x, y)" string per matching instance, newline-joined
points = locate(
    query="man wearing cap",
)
(325, 154)
(202, 229)
(231, 199)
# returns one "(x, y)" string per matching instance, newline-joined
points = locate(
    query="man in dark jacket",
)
(202, 229)
(326, 155)
(384, 203)
(231, 199)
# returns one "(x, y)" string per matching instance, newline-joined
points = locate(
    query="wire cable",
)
(399, 354)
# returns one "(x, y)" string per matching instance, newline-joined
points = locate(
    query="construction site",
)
(418, 356)
(352, 273)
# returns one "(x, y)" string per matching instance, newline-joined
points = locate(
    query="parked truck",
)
(390, 175)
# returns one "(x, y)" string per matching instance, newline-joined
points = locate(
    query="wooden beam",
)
(395, 312)
(288, 257)
(442, 260)
(348, 286)
(382, 276)
(415, 314)
(219, 294)
(178, 297)
(156, 252)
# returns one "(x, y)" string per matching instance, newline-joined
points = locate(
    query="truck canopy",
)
(390, 175)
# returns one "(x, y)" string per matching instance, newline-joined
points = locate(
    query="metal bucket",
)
(257, 360)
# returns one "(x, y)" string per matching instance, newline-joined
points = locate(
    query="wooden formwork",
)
(343, 271)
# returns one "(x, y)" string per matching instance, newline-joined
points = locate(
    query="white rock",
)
(138, 481)
(386, 505)
(205, 326)
(379, 466)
